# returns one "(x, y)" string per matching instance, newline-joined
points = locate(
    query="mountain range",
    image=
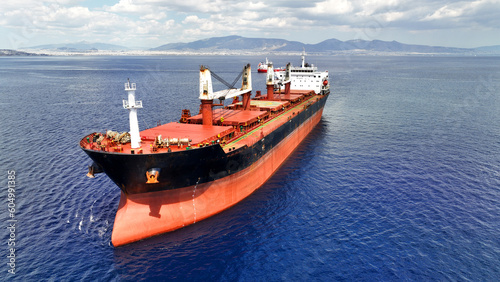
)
(80, 46)
(281, 45)
(236, 43)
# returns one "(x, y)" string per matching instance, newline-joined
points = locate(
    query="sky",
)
(151, 23)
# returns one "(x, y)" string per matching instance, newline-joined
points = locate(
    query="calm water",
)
(399, 181)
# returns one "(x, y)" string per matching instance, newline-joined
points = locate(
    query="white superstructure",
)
(306, 77)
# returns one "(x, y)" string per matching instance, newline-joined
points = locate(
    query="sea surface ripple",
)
(399, 181)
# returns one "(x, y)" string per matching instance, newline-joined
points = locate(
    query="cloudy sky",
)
(151, 23)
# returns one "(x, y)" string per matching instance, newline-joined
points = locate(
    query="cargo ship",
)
(262, 67)
(179, 173)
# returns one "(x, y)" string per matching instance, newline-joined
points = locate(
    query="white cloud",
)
(445, 12)
(371, 7)
(154, 16)
(480, 13)
(250, 6)
(332, 7)
(191, 6)
(130, 6)
(192, 19)
(175, 20)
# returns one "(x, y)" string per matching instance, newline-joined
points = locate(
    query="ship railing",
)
(138, 104)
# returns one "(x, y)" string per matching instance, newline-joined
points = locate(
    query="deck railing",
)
(138, 104)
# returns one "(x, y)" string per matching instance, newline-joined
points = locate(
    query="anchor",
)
(152, 175)
(94, 169)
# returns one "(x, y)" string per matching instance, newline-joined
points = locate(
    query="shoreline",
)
(33, 52)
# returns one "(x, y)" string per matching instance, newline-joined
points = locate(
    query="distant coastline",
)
(9, 52)
(237, 45)
(44, 53)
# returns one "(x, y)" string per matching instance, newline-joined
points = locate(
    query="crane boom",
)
(206, 89)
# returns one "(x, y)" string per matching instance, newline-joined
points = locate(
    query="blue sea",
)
(399, 181)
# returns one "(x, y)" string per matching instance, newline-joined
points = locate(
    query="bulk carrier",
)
(178, 173)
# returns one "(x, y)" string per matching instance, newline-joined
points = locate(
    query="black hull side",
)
(195, 166)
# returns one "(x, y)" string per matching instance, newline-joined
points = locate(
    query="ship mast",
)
(303, 56)
(270, 81)
(132, 105)
(288, 81)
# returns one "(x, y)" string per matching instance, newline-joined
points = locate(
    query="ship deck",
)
(293, 97)
(261, 131)
(197, 133)
(228, 117)
(263, 105)
(232, 127)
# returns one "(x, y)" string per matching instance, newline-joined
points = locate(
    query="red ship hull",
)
(207, 162)
(140, 216)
